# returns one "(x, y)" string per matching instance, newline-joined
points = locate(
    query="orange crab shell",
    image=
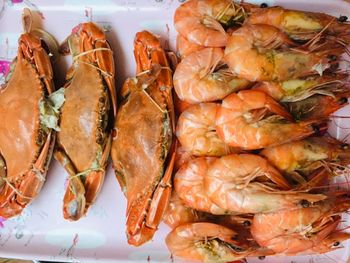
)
(89, 108)
(25, 146)
(145, 141)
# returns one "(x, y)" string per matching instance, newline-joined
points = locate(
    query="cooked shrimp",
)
(293, 90)
(252, 54)
(246, 183)
(306, 156)
(310, 98)
(181, 157)
(189, 186)
(177, 213)
(241, 122)
(201, 21)
(196, 78)
(208, 242)
(196, 131)
(185, 47)
(294, 231)
(299, 25)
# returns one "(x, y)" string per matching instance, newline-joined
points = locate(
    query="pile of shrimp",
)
(255, 89)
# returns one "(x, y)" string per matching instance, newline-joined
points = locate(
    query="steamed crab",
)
(84, 140)
(29, 115)
(143, 150)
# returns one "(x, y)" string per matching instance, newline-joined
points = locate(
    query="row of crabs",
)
(254, 83)
(74, 123)
(281, 50)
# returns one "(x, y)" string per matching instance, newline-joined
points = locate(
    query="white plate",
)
(40, 232)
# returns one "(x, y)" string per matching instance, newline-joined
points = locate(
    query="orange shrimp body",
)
(196, 131)
(197, 80)
(240, 122)
(252, 54)
(200, 21)
(189, 186)
(185, 47)
(246, 183)
(206, 242)
(294, 231)
(299, 25)
(308, 154)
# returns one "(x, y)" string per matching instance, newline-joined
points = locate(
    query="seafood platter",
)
(175, 131)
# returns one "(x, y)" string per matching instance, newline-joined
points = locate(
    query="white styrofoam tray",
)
(40, 232)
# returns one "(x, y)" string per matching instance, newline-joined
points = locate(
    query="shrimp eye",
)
(344, 146)
(264, 5)
(334, 66)
(332, 57)
(343, 100)
(304, 203)
(238, 249)
(246, 223)
(342, 19)
(341, 168)
(261, 257)
(336, 243)
(235, 237)
(316, 129)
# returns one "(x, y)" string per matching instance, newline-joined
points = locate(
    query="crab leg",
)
(156, 208)
(94, 179)
(32, 49)
(147, 51)
(74, 199)
(105, 62)
(2, 171)
(94, 39)
(13, 197)
(34, 180)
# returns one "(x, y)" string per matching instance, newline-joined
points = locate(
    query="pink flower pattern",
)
(2, 220)
(4, 67)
